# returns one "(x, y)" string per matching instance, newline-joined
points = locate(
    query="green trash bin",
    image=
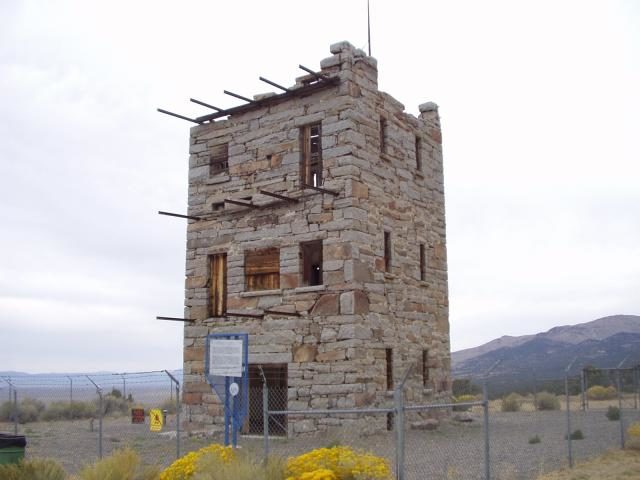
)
(11, 448)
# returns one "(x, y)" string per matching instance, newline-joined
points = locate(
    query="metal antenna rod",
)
(368, 28)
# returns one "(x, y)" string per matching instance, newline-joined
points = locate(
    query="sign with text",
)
(225, 357)
(155, 420)
(137, 415)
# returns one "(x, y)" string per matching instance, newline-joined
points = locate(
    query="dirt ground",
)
(454, 451)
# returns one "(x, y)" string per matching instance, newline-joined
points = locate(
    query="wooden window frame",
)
(387, 251)
(310, 160)
(307, 251)
(262, 269)
(217, 285)
(219, 160)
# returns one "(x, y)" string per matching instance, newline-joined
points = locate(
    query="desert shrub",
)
(112, 405)
(29, 410)
(243, 467)
(548, 401)
(69, 411)
(336, 464)
(463, 399)
(121, 465)
(186, 466)
(116, 393)
(6, 408)
(575, 435)
(533, 440)
(633, 436)
(511, 403)
(168, 404)
(613, 413)
(598, 392)
(33, 469)
(463, 386)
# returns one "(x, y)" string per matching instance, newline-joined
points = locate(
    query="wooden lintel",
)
(320, 189)
(242, 204)
(286, 314)
(248, 315)
(277, 195)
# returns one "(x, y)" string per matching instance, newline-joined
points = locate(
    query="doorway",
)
(276, 374)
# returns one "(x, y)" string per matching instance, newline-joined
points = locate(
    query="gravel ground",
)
(454, 451)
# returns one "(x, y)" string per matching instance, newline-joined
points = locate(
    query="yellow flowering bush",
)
(337, 463)
(185, 467)
(633, 434)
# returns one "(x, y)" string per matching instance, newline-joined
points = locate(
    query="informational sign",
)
(225, 357)
(155, 420)
(137, 415)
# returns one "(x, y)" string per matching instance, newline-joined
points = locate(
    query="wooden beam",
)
(272, 100)
(190, 217)
(320, 189)
(277, 195)
(248, 315)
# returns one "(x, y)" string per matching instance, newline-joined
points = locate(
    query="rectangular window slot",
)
(389, 366)
(217, 285)
(311, 263)
(383, 135)
(219, 161)
(426, 368)
(418, 154)
(311, 161)
(262, 269)
(423, 262)
(387, 252)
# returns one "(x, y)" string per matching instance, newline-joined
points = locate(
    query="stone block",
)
(331, 356)
(326, 305)
(304, 353)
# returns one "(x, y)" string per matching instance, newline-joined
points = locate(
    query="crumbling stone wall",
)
(336, 348)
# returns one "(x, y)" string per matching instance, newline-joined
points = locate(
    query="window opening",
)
(387, 251)
(262, 269)
(383, 135)
(311, 263)
(418, 153)
(218, 285)
(311, 165)
(276, 375)
(219, 161)
(426, 368)
(423, 272)
(389, 363)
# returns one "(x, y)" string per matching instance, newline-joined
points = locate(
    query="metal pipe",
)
(177, 383)
(485, 410)
(100, 413)
(175, 319)
(238, 96)
(16, 414)
(332, 412)
(169, 214)
(566, 392)
(205, 104)
(319, 76)
(167, 112)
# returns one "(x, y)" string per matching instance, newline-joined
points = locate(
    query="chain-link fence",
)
(484, 431)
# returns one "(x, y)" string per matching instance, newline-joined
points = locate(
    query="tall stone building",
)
(321, 233)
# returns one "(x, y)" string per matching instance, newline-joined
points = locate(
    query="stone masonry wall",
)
(335, 349)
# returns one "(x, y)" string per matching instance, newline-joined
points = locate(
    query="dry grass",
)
(613, 465)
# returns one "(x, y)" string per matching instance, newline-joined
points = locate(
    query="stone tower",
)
(321, 233)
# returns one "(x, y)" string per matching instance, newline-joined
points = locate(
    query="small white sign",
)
(234, 389)
(225, 358)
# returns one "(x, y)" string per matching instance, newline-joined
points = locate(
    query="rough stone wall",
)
(335, 349)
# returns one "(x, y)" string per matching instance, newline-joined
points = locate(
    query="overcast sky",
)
(539, 103)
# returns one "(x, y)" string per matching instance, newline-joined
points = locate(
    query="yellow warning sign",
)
(155, 420)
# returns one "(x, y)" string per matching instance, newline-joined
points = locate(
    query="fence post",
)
(100, 413)
(582, 390)
(399, 426)
(16, 414)
(265, 414)
(566, 393)
(177, 383)
(620, 407)
(487, 452)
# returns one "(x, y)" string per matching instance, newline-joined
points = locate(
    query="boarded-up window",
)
(311, 160)
(262, 269)
(418, 154)
(387, 251)
(311, 262)
(423, 263)
(383, 134)
(218, 285)
(219, 161)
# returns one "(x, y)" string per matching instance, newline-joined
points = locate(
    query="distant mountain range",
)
(602, 343)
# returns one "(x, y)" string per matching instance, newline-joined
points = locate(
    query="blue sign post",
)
(227, 371)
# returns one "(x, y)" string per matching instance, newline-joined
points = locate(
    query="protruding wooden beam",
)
(167, 112)
(175, 319)
(205, 104)
(189, 217)
(320, 189)
(274, 84)
(277, 195)
(238, 96)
